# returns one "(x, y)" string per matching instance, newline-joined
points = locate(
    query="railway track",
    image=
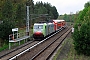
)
(45, 49)
(13, 52)
(47, 52)
(30, 49)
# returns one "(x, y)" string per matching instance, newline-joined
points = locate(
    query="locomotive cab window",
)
(38, 26)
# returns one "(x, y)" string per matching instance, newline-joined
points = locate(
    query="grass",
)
(4, 47)
(55, 57)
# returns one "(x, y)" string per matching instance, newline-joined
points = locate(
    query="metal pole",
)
(27, 22)
(9, 45)
(19, 42)
(13, 35)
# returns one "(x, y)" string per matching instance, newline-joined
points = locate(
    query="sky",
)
(66, 6)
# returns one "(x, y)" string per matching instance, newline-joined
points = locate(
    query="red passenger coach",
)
(59, 24)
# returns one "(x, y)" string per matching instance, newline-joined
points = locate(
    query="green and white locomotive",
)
(41, 30)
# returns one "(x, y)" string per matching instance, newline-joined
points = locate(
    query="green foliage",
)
(8, 20)
(5, 46)
(46, 8)
(81, 34)
(7, 10)
(42, 10)
(82, 14)
(20, 15)
(6, 30)
(66, 17)
(87, 4)
(54, 12)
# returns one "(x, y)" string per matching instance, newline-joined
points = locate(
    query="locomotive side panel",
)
(50, 28)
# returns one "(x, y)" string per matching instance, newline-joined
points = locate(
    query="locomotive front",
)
(38, 31)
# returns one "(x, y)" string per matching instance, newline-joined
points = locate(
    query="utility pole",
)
(27, 22)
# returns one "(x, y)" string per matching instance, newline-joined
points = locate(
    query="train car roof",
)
(39, 23)
(43, 23)
(58, 20)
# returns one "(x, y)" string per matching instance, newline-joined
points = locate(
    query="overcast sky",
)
(66, 6)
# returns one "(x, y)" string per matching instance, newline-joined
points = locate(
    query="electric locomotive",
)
(41, 30)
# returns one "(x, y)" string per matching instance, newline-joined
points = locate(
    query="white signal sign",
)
(15, 29)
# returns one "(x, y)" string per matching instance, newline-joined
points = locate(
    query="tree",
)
(82, 32)
(7, 11)
(66, 18)
(20, 15)
(6, 30)
(54, 12)
(42, 10)
(8, 20)
(87, 4)
(46, 8)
